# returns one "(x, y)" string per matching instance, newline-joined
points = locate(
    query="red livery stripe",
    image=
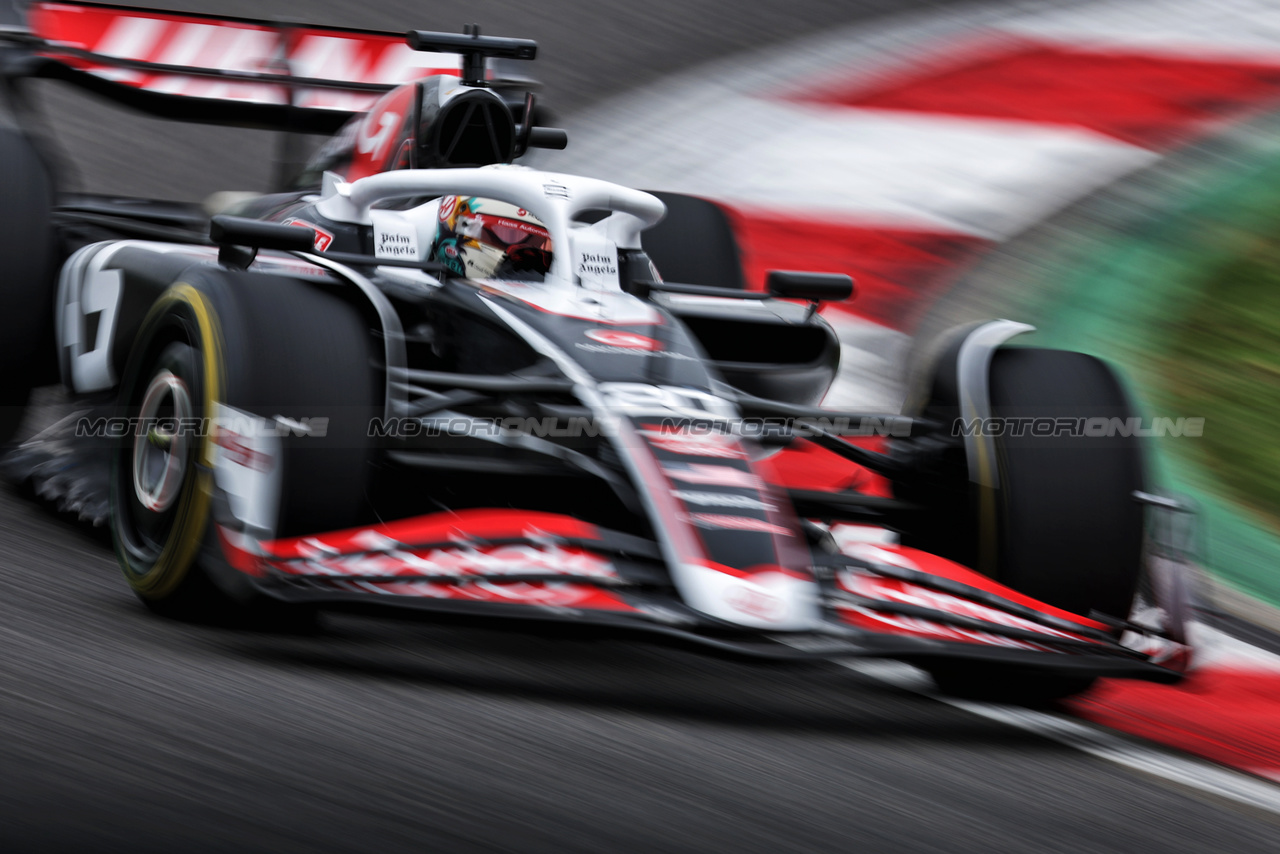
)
(1225, 715)
(205, 42)
(480, 524)
(898, 271)
(1149, 100)
(805, 465)
(943, 568)
(546, 594)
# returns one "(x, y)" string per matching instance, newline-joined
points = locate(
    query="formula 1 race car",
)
(425, 378)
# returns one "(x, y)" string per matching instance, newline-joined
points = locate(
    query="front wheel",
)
(160, 497)
(1063, 526)
(272, 351)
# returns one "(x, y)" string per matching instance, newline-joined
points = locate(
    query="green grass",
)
(1223, 362)
(1181, 290)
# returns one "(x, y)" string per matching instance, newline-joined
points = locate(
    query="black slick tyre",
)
(274, 348)
(1070, 531)
(1064, 524)
(26, 292)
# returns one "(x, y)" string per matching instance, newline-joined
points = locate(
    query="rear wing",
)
(214, 70)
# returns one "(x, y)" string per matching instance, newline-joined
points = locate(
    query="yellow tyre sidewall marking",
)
(187, 535)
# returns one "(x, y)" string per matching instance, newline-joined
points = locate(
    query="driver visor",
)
(513, 232)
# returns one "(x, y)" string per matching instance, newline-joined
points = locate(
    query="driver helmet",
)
(486, 239)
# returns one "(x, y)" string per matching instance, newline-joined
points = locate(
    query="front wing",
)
(877, 600)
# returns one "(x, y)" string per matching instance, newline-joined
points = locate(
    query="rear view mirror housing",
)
(815, 287)
(239, 239)
(239, 231)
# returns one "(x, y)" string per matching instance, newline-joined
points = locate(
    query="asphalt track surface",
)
(122, 731)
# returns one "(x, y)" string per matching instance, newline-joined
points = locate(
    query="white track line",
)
(990, 178)
(1100, 743)
(1231, 30)
(1221, 651)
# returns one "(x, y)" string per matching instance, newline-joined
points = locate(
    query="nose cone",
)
(773, 599)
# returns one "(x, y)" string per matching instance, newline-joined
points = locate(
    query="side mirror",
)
(815, 287)
(239, 239)
(241, 231)
(556, 139)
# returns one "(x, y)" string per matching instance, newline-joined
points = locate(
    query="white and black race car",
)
(428, 379)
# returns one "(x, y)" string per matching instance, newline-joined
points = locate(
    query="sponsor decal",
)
(891, 590)
(618, 342)
(245, 452)
(293, 265)
(511, 560)
(599, 307)
(767, 597)
(323, 238)
(722, 499)
(691, 444)
(595, 261)
(551, 594)
(237, 453)
(712, 475)
(754, 601)
(373, 141)
(665, 400)
(472, 221)
(378, 132)
(208, 42)
(597, 264)
(623, 351)
(872, 553)
(737, 523)
(627, 340)
(452, 527)
(915, 627)
(394, 236)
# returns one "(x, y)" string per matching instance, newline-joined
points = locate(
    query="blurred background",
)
(1107, 171)
(587, 52)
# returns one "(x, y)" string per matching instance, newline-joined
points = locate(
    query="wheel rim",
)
(161, 444)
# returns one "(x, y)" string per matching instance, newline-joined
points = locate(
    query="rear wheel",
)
(274, 349)
(15, 391)
(1063, 527)
(26, 293)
